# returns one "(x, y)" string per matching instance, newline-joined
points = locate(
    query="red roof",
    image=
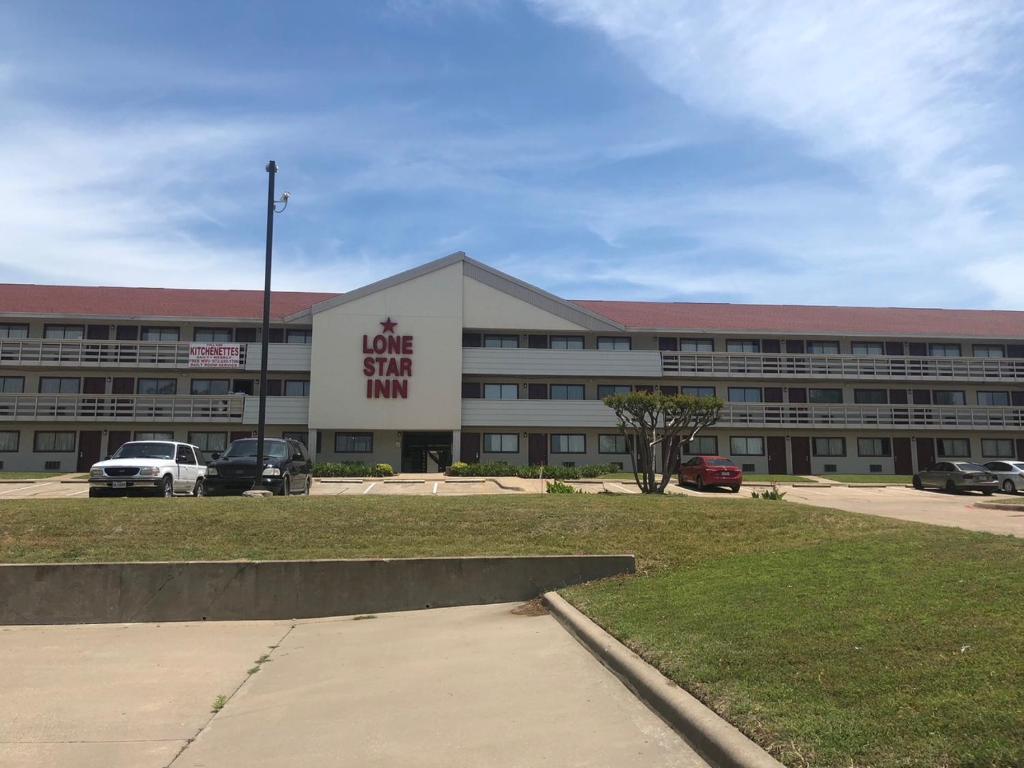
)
(86, 301)
(785, 319)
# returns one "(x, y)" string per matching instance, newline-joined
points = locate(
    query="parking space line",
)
(368, 488)
(435, 489)
(17, 488)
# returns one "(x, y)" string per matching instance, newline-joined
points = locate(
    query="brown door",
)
(88, 449)
(777, 455)
(797, 395)
(123, 385)
(898, 396)
(538, 449)
(1020, 450)
(925, 452)
(94, 385)
(97, 332)
(116, 438)
(773, 394)
(904, 463)
(470, 448)
(801, 447)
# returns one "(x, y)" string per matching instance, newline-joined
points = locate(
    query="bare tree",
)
(649, 420)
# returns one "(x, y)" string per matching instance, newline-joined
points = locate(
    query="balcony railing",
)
(141, 408)
(786, 366)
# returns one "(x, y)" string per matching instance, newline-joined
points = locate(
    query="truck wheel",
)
(917, 483)
(168, 487)
(95, 493)
(700, 483)
(1009, 487)
(988, 491)
(950, 486)
(286, 486)
(200, 489)
(309, 485)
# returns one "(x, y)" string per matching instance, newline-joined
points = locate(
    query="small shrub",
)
(503, 469)
(559, 487)
(772, 494)
(383, 470)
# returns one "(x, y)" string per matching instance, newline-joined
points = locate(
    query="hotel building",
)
(456, 361)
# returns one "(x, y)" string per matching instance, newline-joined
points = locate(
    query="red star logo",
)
(389, 325)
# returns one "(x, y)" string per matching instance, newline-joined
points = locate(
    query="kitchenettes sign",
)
(387, 363)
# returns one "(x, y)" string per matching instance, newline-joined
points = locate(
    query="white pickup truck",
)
(152, 468)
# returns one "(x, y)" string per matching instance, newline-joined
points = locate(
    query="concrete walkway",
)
(469, 686)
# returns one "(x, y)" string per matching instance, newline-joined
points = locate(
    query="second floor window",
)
(210, 386)
(157, 386)
(212, 334)
(752, 346)
(566, 342)
(13, 331)
(823, 347)
(993, 398)
(867, 348)
(298, 336)
(12, 384)
(745, 395)
(501, 392)
(567, 392)
(944, 350)
(296, 388)
(949, 397)
(54, 385)
(502, 341)
(824, 396)
(607, 390)
(616, 343)
(63, 332)
(159, 333)
(699, 391)
(871, 396)
(696, 345)
(989, 350)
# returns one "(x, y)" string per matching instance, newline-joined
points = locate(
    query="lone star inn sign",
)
(387, 363)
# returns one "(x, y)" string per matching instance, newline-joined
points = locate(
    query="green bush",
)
(503, 469)
(559, 487)
(352, 469)
(383, 470)
(774, 494)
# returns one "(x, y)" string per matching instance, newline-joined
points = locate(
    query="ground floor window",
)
(568, 444)
(209, 442)
(954, 447)
(997, 449)
(353, 442)
(9, 441)
(501, 442)
(154, 435)
(703, 445)
(874, 446)
(55, 442)
(830, 446)
(612, 444)
(746, 446)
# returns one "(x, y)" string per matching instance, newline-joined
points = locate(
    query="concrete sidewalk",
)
(468, 686)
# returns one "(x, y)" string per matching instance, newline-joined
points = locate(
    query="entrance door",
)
(801, 455)
(925, 452)
(97, 332)
(904, 463)
(426, 451)
(470, 448)
(89, 442)
(94, 385)
(777, 455)
(538, 449)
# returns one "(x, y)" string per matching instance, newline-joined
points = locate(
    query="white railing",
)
(184, 408)
(787, 366)
(907, 416)
(85, 353)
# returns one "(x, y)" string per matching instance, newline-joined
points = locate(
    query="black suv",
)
(286, 468)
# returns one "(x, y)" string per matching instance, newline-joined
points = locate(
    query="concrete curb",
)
(717, 741)
(1000, 505)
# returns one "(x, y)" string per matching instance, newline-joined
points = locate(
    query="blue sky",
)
(774, 151)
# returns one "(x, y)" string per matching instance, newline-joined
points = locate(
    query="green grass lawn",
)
(833, 639)
(900, 479)
(29, 475)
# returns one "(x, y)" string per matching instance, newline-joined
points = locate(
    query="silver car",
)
(956, 476)
(1010, 474)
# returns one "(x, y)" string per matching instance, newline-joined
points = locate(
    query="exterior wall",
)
(387, 449)
(487, 307)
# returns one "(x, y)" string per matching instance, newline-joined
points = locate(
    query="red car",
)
(711, 470)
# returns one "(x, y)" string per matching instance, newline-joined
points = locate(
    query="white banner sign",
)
(202, 355)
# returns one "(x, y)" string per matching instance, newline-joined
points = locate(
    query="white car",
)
(1010, 474)
(152, 468)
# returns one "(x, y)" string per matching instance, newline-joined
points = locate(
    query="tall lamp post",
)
(265, 335)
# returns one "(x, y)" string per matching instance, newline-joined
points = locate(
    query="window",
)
(823, 348)
(566, 342)
(824, 396)
(743, 345)
(612, 444)
(212, 334)
(154, 435)
(159, 333)
(501, 442)
(829, 446)
(210, 386)
(568, 444)
(157, 386)
(63, 332)
(53, 385)
(944, 350)
(501, 392)
(993, 398)
(9, 441)
(696, 345)
(699, 391)
(867, 348)
(870, 396)
(12, 384)
(949, 397)
(1001, 449)
(744, 394)
(13, 331)
(54, 442)
(989, 350)
(185, 455)
(505, 342)
(353, 442)
(703, 445)
(567, 392)
(607, 390)
(614, 342)
(950, 447)
(298, 336)
(746, 446)
(295, 388)
(874, 446)
(209, 442)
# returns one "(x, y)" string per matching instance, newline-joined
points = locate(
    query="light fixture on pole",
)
(265, 335)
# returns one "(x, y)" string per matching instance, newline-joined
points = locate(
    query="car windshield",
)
(964, 466)
(241, 449)
(145, 451)
(719, 463)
